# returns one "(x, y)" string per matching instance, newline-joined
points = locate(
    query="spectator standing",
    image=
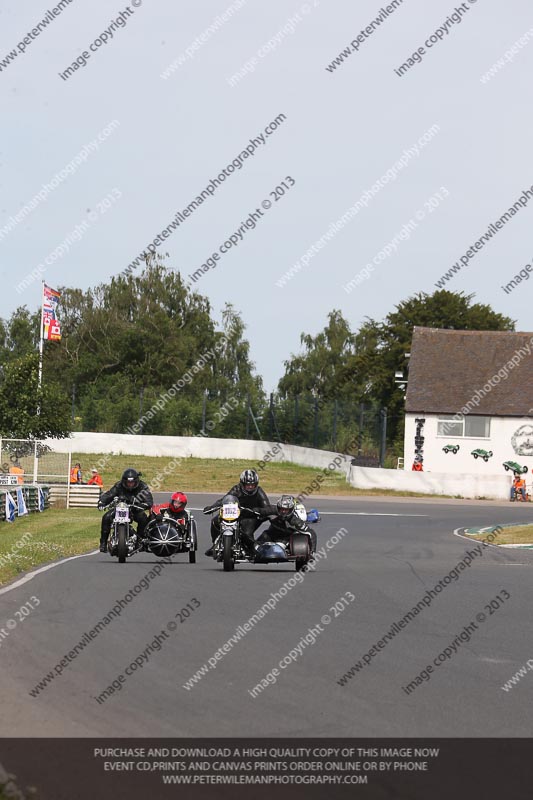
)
(75, 473)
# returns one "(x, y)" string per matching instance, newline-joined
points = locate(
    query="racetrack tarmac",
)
(394, 550)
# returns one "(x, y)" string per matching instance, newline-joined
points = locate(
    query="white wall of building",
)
(503, 430)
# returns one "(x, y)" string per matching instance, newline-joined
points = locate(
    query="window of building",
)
(471, 426)
(477, 426)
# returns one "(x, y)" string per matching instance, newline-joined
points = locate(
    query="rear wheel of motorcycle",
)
(122, 547)
(300, 549)
(228, 560)
(194, 543)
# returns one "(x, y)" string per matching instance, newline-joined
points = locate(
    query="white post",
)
(35, 463)
(68, 476)
(39, 380)
(41, 346)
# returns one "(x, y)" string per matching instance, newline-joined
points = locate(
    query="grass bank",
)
(217, 475)
(37, 539)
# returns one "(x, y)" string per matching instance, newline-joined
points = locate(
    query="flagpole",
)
(41, 346)
(39, 383)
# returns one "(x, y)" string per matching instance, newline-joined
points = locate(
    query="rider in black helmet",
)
(283, 521)
(133, 490)
(249, 495)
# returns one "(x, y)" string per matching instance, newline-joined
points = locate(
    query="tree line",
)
(126, 342)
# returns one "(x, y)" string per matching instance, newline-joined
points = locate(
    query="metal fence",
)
(353, 428)
(31, 497)
(32, 461)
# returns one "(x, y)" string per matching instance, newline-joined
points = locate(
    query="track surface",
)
(386, 561)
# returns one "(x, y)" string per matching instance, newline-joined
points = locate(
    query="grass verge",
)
(217, 475)
(514, 534)
(38, 539)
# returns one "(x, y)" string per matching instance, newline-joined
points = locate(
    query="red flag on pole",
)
(51, 326)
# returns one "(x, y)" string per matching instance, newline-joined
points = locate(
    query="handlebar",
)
(115, 500)
(210, 509)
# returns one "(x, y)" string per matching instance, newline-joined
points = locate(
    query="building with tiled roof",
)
(469, 401)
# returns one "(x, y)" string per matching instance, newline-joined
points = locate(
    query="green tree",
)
(27, 412)
(233, 383)
(339, 369)
(382, 346)
(325, 355)
(19, 335)
(134, 338)
(316, 397)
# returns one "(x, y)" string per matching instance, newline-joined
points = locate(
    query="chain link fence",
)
(30, 464)
(356, 429)
(24, 461)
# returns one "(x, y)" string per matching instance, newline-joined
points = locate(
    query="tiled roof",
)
(448, 368)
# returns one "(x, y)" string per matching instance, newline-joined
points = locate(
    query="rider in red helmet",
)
(175, 508)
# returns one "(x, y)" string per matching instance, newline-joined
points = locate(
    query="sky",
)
(374, 180)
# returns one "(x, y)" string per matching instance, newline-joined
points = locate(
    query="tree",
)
(27, 412)
(126, 342)
(325, 355)
(19, 335)
(234, 383)
(381, 346)
(340, 370)
(147, 325)
(316, 395)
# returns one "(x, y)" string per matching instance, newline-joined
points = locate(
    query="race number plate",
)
(230, 511)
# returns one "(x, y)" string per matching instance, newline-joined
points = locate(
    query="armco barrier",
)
(494, 487)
